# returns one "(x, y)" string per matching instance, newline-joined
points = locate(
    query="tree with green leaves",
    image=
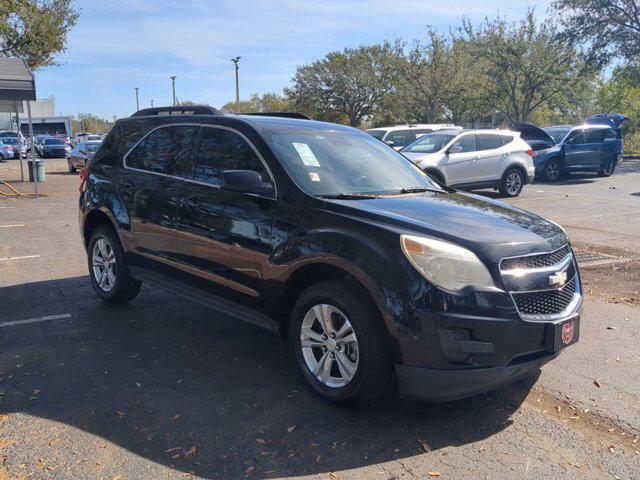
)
(35, 30)
(524, 65)
(608, 27)
(266, 102)
(349, 85)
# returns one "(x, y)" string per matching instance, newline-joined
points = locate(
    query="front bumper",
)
(447, 385)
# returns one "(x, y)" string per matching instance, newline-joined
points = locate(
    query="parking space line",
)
(7, 207)
(12, 226)
(24, 257)
(35, 320)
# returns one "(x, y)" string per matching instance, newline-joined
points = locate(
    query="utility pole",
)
(137, 100)
(173, 86)
(236, 60)
(152, 103)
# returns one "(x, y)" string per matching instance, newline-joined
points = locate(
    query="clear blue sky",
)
(121, 44)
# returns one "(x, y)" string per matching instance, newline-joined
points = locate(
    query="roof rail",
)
(178, 110)
(301, 116)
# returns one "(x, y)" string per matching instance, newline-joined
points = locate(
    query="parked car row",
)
(375, 273)
(508, 159)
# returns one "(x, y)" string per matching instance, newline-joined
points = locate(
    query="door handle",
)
(191, 202)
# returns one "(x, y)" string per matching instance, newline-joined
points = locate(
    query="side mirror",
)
(390, 143)
(246, 181)
(455, 149)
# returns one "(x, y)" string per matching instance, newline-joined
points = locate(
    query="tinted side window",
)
(594, 136)
(400, 138)
(468, 143)
(165, 150)
(489, 142)
(222, 150)
(608, 134)
(577, 137)
(506, 139)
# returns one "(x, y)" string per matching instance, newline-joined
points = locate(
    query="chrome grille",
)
(535, 261)
(546, 302)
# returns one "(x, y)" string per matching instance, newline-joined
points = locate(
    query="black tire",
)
(437, 176)
(125, 288)
(374, 368)
(72, 169)
(552, 170)
(607, 169)
(512, 182)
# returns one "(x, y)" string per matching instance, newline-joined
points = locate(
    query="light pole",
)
(173, 86)
(152, 103)
(236, 60)
(137, 100)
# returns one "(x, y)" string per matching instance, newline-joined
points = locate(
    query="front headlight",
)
(445, 264)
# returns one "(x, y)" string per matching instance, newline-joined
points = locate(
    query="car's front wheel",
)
(512, 183)
(108, 270)
(339, 343)
(552, 171)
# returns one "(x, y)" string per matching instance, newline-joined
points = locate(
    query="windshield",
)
(92, 147)
(376, 133)
(557, 133)
(334, 162)
(429, 143)
(54, 141)
(11, 141)
(8, 134)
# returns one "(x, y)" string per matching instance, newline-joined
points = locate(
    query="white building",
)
(43, 117)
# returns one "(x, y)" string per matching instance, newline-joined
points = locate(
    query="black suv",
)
(368, 267)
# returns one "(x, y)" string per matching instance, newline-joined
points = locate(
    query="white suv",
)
(475, 159)
(402, 135)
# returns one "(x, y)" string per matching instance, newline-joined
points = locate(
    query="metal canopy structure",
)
(18, 85)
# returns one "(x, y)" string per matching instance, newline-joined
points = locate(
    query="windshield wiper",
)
(416, 190)
(349, 196)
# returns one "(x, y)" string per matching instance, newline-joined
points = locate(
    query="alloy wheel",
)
(514, 183)
(329, 345)
(103, 260)
(553, 171)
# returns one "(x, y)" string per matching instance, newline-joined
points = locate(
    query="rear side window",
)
(594, 136)
(506, 139)
(222, 150)
(609, 134)
(489, 142)
(468, 143)
(166, 150)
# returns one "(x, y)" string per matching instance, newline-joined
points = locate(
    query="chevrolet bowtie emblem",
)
(558, 278)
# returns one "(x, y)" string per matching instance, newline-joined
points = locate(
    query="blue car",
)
(595, 146)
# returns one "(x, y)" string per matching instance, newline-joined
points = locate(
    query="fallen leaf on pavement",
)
(191, 451)
(318, 458)
(121, 414)
(174, 449)
(611, 449)
(249, 469)
(291, 428)
(505, 452)
(596, 383)
(176, 418)
(425, 447)
(261, 441)
(434, 474)
(334, 475)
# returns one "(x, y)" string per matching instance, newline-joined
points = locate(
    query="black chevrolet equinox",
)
(376, 275)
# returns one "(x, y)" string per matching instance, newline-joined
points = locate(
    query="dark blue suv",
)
(595, 146)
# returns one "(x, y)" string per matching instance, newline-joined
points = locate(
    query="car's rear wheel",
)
(108, 270)
(339, 343)
(607, 169)
(512, 183)
(552, 171)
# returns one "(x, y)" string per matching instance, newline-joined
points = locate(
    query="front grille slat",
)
(535, 261)
(548, 302)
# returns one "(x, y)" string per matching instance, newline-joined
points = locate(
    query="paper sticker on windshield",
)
(306, 155)
(314, 177)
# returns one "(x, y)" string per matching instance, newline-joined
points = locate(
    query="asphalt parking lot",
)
(163, 388)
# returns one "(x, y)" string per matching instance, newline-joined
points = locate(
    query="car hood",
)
(423, 158)
(528, 131)
(491, 229)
